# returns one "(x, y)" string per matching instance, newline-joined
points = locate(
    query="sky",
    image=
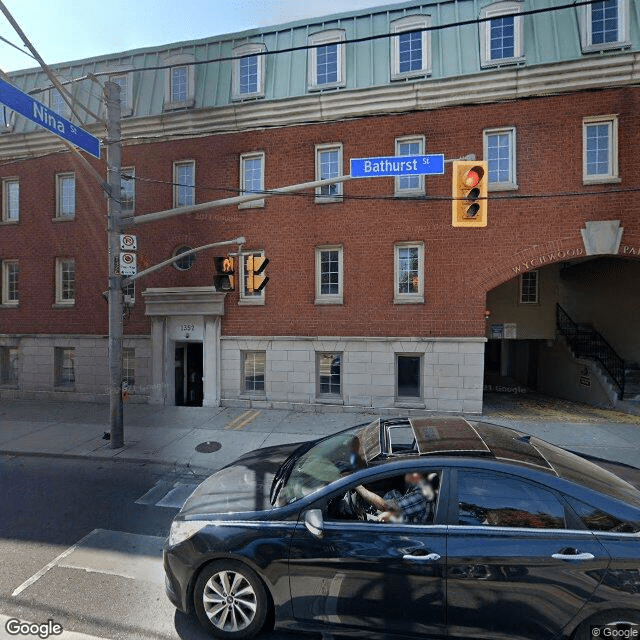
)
(65, 30)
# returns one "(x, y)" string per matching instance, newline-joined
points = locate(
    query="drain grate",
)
(208, 447)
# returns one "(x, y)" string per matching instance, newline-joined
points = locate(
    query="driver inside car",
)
(416, 505)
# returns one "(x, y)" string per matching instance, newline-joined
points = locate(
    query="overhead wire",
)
(393, 198)
(379, 36)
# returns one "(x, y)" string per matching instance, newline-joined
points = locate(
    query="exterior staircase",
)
(632, 382)
(585, 342)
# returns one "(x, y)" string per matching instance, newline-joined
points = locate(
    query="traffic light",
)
(255, 280)
(224, 280)
(469, 193)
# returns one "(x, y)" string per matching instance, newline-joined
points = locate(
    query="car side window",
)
(410, 498)
(596, 520)
(499, 500)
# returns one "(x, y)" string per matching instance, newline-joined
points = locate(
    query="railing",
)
(586, 342)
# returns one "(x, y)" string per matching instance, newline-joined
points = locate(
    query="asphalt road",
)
(80, 543)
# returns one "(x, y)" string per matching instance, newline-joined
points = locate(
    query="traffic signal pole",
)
(114, 161)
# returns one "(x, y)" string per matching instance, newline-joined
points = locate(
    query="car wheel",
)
(619, 621)
(230, 600)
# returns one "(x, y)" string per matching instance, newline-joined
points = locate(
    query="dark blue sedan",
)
(411, 528)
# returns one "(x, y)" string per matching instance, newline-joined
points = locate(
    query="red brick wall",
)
(460, 264)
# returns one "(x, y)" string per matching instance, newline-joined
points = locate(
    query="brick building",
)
(374, 299)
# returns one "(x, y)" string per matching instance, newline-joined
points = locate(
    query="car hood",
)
(241, 487)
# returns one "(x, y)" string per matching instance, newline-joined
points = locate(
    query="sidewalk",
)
(171, 435)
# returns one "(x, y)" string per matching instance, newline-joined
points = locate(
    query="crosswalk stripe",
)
(130, 555)
(36, 576)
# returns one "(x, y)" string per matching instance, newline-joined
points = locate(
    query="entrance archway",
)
(531, 346)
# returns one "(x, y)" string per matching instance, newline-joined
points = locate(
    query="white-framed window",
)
(10, 200)
(129, 366)
(254, 365)
(65, 281)
(184, 183)
(65, 195)
(410, 185)
(500, 154)
(329, 375)
(529, 287)
(128, 189)
(57, 104)
(9, 361)
(605, 25)
(64, 364)
(248, 71)
(125, 80)
(329, 165)
(249, 297)
(410, 49)
(179, 92)
(326, 60)
(252, 177)
(10, 280)
(179, 80)
(329, 275)
(600, 149)
(501, 34)
(408, 376)
(409, 273)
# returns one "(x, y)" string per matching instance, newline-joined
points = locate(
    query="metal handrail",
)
(586, 342)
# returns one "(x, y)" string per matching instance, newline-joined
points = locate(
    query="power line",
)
(15, 46)
(391, 198)
(380, 36)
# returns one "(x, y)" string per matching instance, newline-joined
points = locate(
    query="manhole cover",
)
(208, 447)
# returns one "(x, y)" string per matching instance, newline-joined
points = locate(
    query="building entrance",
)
(188, 374)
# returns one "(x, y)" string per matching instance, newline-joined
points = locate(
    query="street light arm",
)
(239, 241)
(249, 197)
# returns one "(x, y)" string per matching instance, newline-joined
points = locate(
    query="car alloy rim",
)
(229, 601)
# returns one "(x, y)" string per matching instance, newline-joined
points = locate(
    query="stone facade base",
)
(450, 374)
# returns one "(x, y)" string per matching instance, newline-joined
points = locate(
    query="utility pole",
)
(114, 162)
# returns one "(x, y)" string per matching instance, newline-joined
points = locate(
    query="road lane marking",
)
(241, 421)
(36, 576)
(129, 555)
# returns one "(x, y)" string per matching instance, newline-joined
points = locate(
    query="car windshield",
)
(329, 459)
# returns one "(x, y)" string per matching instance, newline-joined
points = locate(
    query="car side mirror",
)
(314, 522)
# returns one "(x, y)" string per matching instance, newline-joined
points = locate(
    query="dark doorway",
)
(188, 374)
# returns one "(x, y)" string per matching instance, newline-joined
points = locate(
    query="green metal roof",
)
(548, 37)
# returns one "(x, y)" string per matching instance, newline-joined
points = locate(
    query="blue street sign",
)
(39, 113)
(432, 164)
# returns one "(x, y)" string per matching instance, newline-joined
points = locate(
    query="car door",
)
(382, 576)
(514, 569)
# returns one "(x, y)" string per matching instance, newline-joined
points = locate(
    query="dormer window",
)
(248, 71)
(411, 48)
(605, 25)
(501, 34)
(179, 90)
(326, 60)
(124, 80)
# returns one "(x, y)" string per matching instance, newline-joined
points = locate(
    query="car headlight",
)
(182, 530)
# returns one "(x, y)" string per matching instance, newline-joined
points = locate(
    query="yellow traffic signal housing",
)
(224, 278)
(255, 280)
(469, 193)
